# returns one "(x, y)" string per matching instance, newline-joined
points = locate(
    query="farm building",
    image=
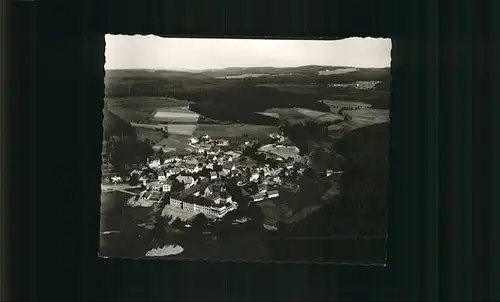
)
(273, 194)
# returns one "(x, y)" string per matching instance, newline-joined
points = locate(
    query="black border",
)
(57, 260)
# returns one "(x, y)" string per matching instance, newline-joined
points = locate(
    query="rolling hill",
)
(274, 87)
(307, 70)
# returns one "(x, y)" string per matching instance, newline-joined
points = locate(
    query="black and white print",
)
(245, 149)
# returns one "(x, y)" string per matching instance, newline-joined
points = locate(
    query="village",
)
(215, 176)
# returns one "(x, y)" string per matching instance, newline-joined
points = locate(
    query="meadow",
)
(140, 109)
(235, 130)
(181, 129)
(369, 116)
(176, 143)
(153, 135)
(287, 152)
(176, 116)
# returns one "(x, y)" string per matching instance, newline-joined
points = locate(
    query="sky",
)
(153, 52)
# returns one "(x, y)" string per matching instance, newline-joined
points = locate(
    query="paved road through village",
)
(117, 187)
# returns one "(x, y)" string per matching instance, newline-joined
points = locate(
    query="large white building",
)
(211, 199)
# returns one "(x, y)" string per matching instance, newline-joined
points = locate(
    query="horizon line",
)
(201, 70)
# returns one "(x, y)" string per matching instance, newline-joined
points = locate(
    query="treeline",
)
(113, 125)
(234, 113)
(121, 146)
(301, 133)
(123, 152)
(362, 205)
(239, 104)
(256, 98)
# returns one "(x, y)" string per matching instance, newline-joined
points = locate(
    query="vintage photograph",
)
(261, 150)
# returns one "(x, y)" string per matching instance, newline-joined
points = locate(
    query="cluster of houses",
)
(203, 177)
(205, 197)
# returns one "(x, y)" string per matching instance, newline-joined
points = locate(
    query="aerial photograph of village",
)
(262, 150)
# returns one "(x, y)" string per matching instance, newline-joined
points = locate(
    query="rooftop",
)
(202, 201)
(261, 186)
(258, 196)
(191, 190)
(214, 196)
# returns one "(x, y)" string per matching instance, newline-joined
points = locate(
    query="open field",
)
(271, 114)
(143, 102)
(292, 115)
(320, 115)
(176, 115)
(135, 109)
(298, 115)
(242, 76)
(152, 135)
(310, 113)
(177, 142)
(181, 129)
(287, 152)
(335, 127)
(173, 129)
(169, 210)
(235, 130)
(213, 130)
(369, 116)
(345, 103)
(332, 117)
(336, 71)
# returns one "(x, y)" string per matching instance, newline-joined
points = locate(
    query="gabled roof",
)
(191, 190)
(214, 196)
(203, 201)
(258, 196)
(215, 187)
(217, 205)
(262, 186)
(185, 178)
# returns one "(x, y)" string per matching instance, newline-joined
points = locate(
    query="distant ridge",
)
(229, 71)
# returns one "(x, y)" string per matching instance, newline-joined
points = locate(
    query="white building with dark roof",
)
(225, 172)
(116, 179)
(162, 176)
(273, 194)
(166, 186)
(258, 197)
(188, 181)
(255, 177)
